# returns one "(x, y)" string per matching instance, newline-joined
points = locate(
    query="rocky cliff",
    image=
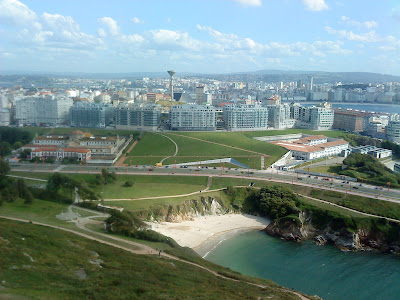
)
(187, 211)
(363, 238)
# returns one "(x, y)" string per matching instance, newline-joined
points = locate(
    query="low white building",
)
(313, 147)
(373, 151)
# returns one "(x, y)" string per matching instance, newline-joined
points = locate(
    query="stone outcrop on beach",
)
(302, 228)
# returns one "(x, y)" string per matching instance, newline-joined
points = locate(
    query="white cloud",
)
(101, 32)
(136, 20)
(366, 24)
(174, 40)
(15, 13)
(249, 2)
(396, 13)
(315, 5)
(369, 37)
(111, 24)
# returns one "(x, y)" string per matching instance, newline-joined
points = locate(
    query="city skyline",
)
(200, 36)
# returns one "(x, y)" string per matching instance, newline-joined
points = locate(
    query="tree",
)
(4, 169)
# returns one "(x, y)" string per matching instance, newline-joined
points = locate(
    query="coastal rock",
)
(189, 210)
(320, 240)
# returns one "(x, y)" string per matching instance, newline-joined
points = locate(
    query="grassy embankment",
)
(168, 185)
(152, 148)
(91, 270)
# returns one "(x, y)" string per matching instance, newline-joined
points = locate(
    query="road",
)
(392, 195)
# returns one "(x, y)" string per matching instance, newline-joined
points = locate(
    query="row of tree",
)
(11, 189)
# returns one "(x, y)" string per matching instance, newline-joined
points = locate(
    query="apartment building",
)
(91, 115)
(52, 110)
(193, 118)
(137, 117)
(245, 117)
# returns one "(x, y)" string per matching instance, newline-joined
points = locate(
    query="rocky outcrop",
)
(188, 210)
(302, 228)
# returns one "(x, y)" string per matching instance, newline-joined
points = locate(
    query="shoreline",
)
(203, 234)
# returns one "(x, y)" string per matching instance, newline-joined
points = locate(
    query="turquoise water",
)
(316, 270)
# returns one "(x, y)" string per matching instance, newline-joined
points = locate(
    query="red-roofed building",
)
(313, 147)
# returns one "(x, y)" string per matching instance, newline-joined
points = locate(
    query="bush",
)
(128, 184)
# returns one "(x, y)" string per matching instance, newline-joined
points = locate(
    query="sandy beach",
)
(204, 233)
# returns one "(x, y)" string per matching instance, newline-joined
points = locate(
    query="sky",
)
(201, 36)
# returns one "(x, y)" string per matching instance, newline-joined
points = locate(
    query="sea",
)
(325, 271)
(371, 107)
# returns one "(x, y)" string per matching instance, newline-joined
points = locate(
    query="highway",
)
(327, 183)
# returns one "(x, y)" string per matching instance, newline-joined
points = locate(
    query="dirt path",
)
(350, 209)
(142, 249)
(219, 144)
(120, 161)
(172, 196)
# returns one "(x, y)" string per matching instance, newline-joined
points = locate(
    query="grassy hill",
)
(44, 263)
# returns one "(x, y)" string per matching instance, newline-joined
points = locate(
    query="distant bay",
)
(322, 270)
(373, 107)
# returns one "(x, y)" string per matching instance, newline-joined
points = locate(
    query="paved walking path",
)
(176, 147)
(219, 144)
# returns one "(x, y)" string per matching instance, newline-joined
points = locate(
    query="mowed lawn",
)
(239, 140)
(148, 186)
(137, 205)
(152, 148)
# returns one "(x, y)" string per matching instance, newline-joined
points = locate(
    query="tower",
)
(172, 73)
(310, 83)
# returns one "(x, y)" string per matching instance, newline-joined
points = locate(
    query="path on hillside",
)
(143, 249)
(30, 178)
(267, 179)
(350, 209)
(207, 189)
(176, 147)
(219, 144)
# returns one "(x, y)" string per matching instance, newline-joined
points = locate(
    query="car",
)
(185, 167)
(316, 177)
(355, 187)
(309, 176)
(181, 167)
(343, 181)
(377, 187)
(166, 167)
(360, 184)
(215, 168)
(300, 178)
(150, 169)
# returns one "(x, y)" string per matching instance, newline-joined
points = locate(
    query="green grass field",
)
(327, 169)
(44, 263)
(152, 148)
(40, 211)
(136, 205)
(152, 144)
(147, 186)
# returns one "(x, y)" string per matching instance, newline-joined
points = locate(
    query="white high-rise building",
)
(193, 118)
(393, 131)
(245, 117)
(44, 110)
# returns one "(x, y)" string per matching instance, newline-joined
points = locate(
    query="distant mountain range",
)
(261, 75)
